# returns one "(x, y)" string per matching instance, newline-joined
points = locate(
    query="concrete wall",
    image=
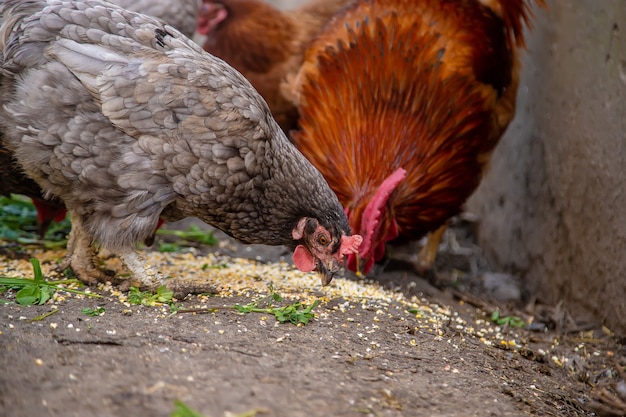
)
(553, 204)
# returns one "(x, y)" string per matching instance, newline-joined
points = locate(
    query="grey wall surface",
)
(552, 206)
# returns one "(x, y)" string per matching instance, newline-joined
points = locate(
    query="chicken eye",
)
(323, 240)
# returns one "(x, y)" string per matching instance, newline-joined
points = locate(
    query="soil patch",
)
(395, 345)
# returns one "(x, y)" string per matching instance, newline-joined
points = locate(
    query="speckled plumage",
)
(183, 15)
(126, 120)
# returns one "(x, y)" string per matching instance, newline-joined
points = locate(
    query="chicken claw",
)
(150, 279)
(82, 260)
(81, 257)
(426, 257)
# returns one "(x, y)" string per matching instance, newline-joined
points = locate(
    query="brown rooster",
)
(264, 43)
(127, 120)
(181, 14)
(401, 104)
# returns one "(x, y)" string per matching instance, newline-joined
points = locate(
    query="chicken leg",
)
(428, 254)
(81, 257)
(83, 261)
(151, 279)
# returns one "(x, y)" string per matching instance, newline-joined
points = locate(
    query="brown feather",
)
(516, 14)
(266, 45)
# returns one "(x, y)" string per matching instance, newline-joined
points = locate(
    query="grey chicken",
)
(125, 120)
(183, 15)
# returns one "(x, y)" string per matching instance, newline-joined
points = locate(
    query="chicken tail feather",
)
(516, 14)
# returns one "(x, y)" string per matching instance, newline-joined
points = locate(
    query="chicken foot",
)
(428, 254)
(151, 279)
(81, 258)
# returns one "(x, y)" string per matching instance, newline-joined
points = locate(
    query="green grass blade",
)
(37, 271)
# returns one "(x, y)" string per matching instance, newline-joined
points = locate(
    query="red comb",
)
(373, 212)
(350, 244)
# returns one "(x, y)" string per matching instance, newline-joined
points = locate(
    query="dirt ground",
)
(416, 347)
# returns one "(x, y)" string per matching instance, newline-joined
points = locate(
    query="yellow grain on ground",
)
(252, 279)
(244, 277)
(233, 277)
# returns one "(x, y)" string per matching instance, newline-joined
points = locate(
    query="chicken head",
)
(321, 250)
(210, 15)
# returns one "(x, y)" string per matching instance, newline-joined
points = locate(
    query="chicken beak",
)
(326, 277)
(327, 272)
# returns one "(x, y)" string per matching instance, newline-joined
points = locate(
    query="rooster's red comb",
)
(350, 244)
